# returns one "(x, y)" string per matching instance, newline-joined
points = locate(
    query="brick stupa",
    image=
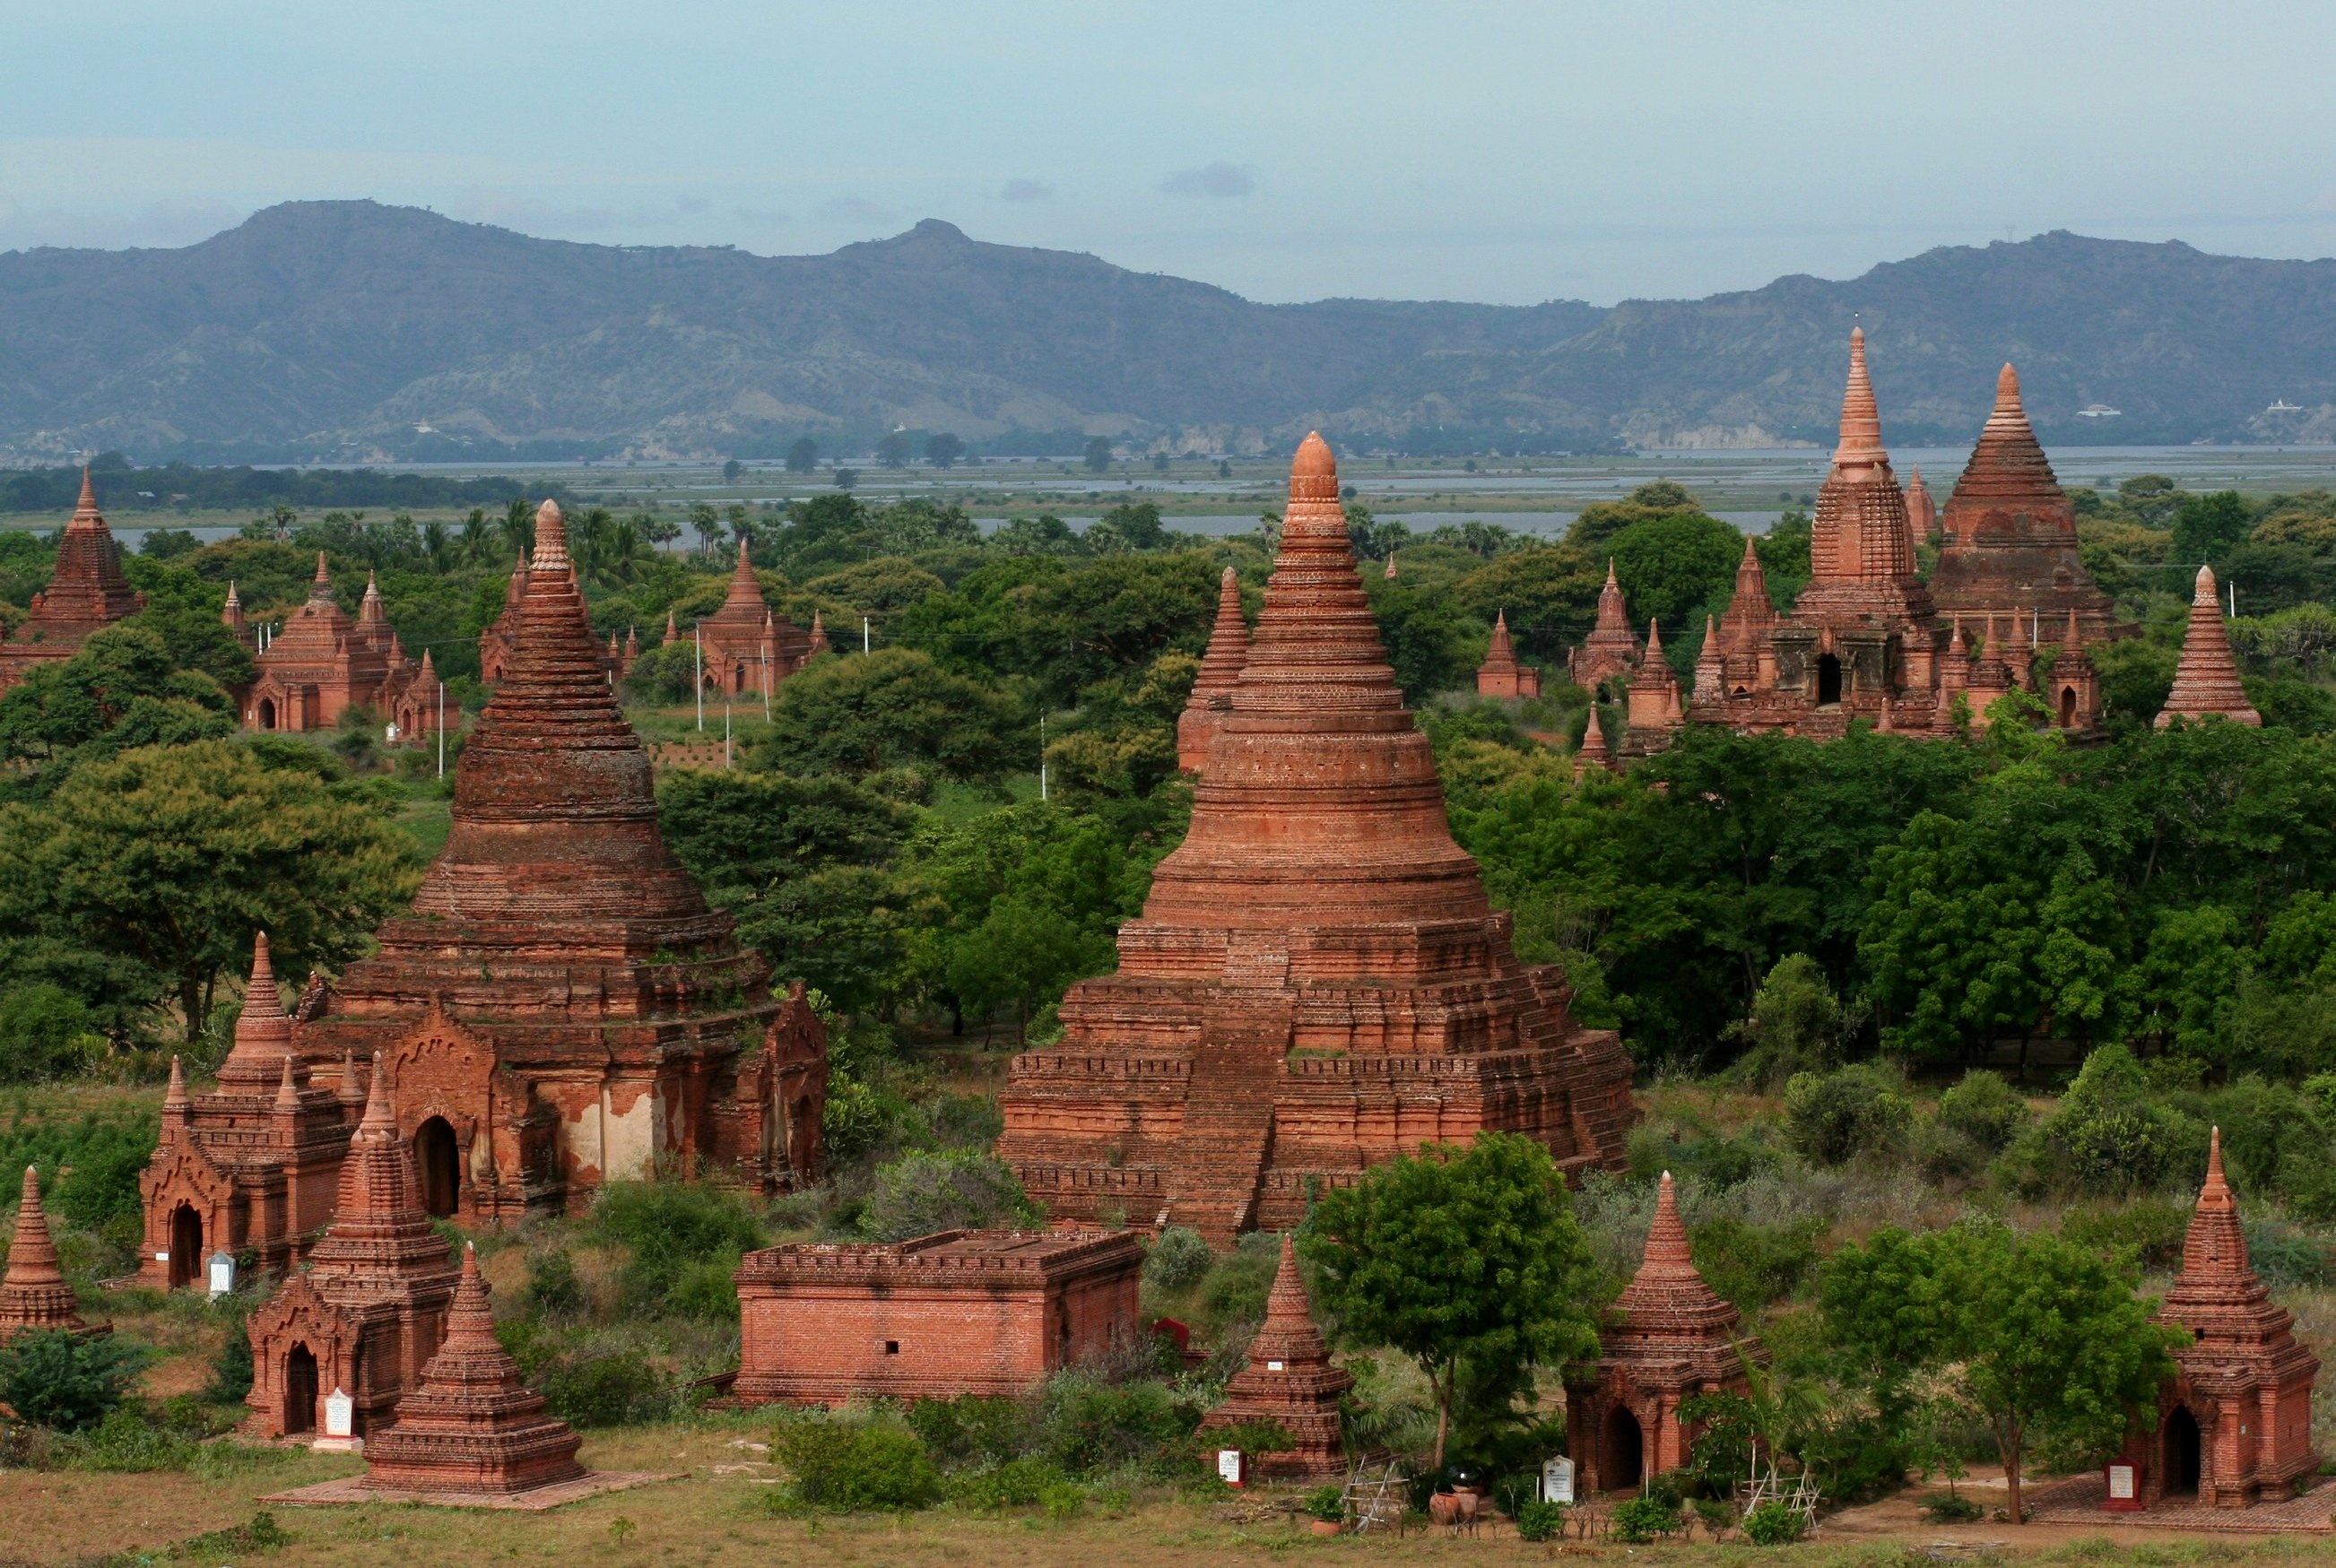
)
(473, 1426)
(1609, 650)
(323, 663)
(1212, 688)
(1317, 983)
(1499, 676)
(562, 1007)
(33, 1295)
(1922, 510)
(368, 1314)
(2207, 682)
(1666, 1338)
(86, 593)
(749, 649)
(1289, 1381)
(2234, 1422)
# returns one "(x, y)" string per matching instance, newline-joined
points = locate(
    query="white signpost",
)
(1557, 1481)
(340, 1424)
(222, 1267)
(1232, 1469)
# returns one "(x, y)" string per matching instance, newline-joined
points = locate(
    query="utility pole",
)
(1042, 757)
(864, 635)
(725, 729)
(442, 729)
(698, 668)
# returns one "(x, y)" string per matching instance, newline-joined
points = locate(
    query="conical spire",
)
(86, 591)
(174, 1098)
(819, 642)
(2008, 471)
(1500, 648)
(1228, 650)
(1859, 540)
(263, 1031)
(1389, 573)
(1861, 421)
(550, 544)
(369, 608)
(380, 1227)
(1667, 1294)
(1593, 751)
(1710, 667)
(1288, 1334)
(85, 512)
(33, 1294)
(2206, 681)
(1749, 613)
(320, 586)
(2214, 1251)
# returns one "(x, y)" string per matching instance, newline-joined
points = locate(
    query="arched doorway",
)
(300, 1391)
(1828, 679)
(2068, 707)
(267, 712)
(1621, 1465)
(2182, 1453)
(185, 1245)
(436, 1156)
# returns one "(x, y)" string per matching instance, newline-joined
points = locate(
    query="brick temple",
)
(2206, 681)
(33, 1294)
(747, 647)
(1289, 1381)
(1668, 1338)
(1499, 676)
(2234, 1422)
(366, 1314)
(86, 593)
(1317, 983)
(323, 663)
(957, 1312)
(1611, 649)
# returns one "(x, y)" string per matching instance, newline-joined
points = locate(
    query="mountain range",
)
(350, 331)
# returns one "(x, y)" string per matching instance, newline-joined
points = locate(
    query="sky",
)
(1284, 148)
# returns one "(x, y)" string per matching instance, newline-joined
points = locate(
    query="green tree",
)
(803, 457)
(894, 708)
(2043, 1339)
(68, 1381)
(942, 449)
(1097, 457)
(2205, 526)
(122, 689)
(152, 869)
(1020, 952)
(1457, 1257)
(1673, 568)
(892, 449)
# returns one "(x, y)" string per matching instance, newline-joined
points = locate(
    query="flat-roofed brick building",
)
(956, 1312)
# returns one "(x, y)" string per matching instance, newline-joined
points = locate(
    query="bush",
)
(1953, 1508)
(68, 1382)
(2108, 1134)
(846, 1470)
(668, 1229)
(607, 1390)
(1985, 1109)
(1831, 1120)
(1328, 1504)
(1772, 1525)
(553, 1289)
(1540, 1521)
(44, 1032)
(1642, 1519)
(2284, 1256)
(2151, 1229)
(232, 1369)
(128, 1441)
(954, 1189)
(1016, 1484)
(1178, 1259)
(988, 1427)
(1753, 1265)
(1086, 1426)
(1797, 1024)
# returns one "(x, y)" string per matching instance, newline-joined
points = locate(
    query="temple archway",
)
(1622, 1465)
(267, 712)
(436, 1156)
(185, 1245)
(2068, 707)
(1828, 679)
(2182, 1453)
(300, 1391)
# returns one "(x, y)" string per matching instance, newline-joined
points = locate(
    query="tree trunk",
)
(2010, 1451)
(190, 1008)
(1443, 1386)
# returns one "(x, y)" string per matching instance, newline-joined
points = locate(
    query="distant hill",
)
(350, 331)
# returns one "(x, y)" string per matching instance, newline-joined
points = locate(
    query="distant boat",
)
(2099, 412)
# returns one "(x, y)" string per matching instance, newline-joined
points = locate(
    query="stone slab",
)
(352, 1489)
(2079, 1502)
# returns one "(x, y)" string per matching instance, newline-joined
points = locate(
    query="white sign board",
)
(1229, 1467)
(340, 1415)
(1273, 1365)
(222, 1272)
(1557, 1481)
(2121, 1483)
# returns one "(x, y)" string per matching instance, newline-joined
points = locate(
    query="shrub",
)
(68, 1382)
(1832, 1119)
(1772, 1525)
(232, 1369)
(1085, 1425)
(1540, 1521)
(1016, 1484)
(129, 1441)
(953, 1189)
(1752, 1264)
(990, 1428)
(1985, 1109)
(2108, 1134)
(1328, 1504)
(606, 1390)
(2285, 1256)
(846, 1470)
(44, 1032)
(1797, 1024)
(1642, 1519)
(1179, 1258)
(553, 1289)
(668, 1228)
(2151, 1229)
(1953, 1508)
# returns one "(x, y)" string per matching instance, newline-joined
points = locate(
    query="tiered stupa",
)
(1667, 1339)
(473, 1426)
(1317, 983)
(2234, 1423)
(561, 1008)
(1593, 751)
(1212, 689)
(367, 1315)
(253, 1165)
(1290, 1380)
(1922, 510)
(2207, 682)
(2009, 532)
(1499, 676)
(748, 648)
(322, 663)
(86, 593)
(1609, 650)
(33, 1295)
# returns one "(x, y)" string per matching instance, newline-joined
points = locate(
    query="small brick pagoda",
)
(1212, 689)
(2207, 682)
(957, 1312)
(253, 1165)
(1290, 1380)
(33, 1295)
(368, 1314)
(1922, 511)
(2234, 1422)
(748, 647)
(1609, 650)
(499, 641)
(322, 663)
(1667, 1339)
(1317, 983)
(473, 1427)
(86, 593)
(1499, 676)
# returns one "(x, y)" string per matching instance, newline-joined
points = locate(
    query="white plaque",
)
(340, 1415)
(1273, 1365)
(161, 1257)
(222, 1271)
(2121, 1483)
(1229, 1467)
(1557, 1481)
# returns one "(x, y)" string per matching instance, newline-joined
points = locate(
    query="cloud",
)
(853, 209)
(1026, 190)
(162, 224)
(1213, 179)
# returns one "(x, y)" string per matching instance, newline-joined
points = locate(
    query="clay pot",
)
(1325, 1526)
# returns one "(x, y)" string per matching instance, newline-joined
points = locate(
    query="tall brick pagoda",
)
(1290, 1380)
(2234, 1422)
(366, 1314)
(1609, 650)
(252, 1165)
(473, 1427)
(1666, 1338)
(2207, 682)
(33, 1294)
(562, 1007)
(1212, 689)
(86, 593)
(1317, 983)
(2009, 532)
(1499, 676)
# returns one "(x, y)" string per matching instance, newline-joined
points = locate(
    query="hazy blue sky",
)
(1513, 152)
